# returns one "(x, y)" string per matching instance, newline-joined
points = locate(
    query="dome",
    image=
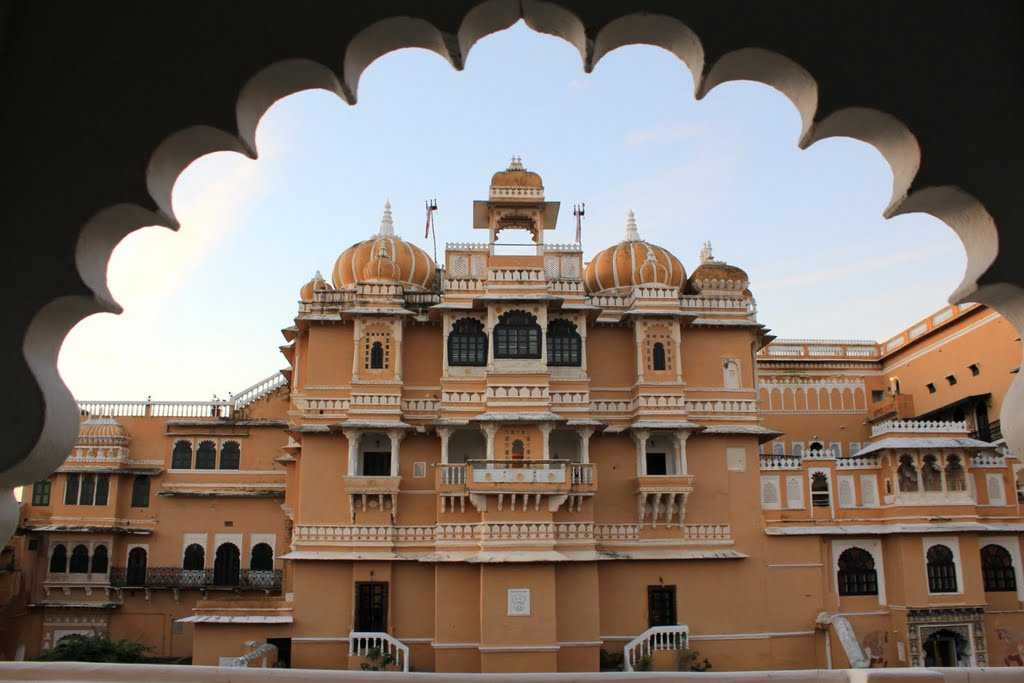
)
(383, 257)
(306, 293)
(515, 182)
(715, 275)
(101, 430)
(633, 262)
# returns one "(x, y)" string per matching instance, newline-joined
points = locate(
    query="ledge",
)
(889, 529)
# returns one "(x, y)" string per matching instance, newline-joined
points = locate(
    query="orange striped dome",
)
(713, 275)
(99, 430)
(384, 257)
(318, 282)
(633, 262)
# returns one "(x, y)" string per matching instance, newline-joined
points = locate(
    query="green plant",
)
(689, 660)
(644, 664)
(377, 660)
(94, 648)
(610, 661)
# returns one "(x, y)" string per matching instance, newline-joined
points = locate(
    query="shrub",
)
(611, 661)
(94, 648)
(689, 660)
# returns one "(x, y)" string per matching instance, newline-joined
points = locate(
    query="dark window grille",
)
(181, 458)
(857, 575)
(102, 488)
(819, 491)
(517, 335)
(226, 565)
(376, 464)
(467, 344)
(997, 569)
(377, 356)
(71, 489)
(195, 557)
(661, 606)
(100, 560)
(565, 346)
(41, 493)
(658, 360)
(371, 606)
(59, 559)
(79, 560)
(206, 456)
(657, 464)
(88, 492)
(140, 491)
(230, 455)
(135, 572)
(261, 558)
(941, 570)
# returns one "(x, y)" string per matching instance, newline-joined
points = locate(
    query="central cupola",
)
(515, 202)
(385, 257)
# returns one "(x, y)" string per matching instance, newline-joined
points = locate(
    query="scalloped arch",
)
(280, 78)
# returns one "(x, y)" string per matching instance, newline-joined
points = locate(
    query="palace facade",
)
(514, 462)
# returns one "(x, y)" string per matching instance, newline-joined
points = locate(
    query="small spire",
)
(705, 252)
(516, 164)
(632, 234)
(387, 224)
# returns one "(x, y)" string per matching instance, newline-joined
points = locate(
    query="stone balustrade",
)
(516, 274)
(991, 459)
(466, 246)
(918, 427)
(467, 284)
(539, 392)
(722, 406)
(780, 462)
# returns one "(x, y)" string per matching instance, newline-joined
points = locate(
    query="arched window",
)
(195, 557)
(206, 456)
(518, 450)
(907, 475)
(467, 343)
(956, 480)
(135, 574)
(226, 566)
(941, 570)
(181, 458)
(857, 575)
(997, 569)
(565, 346)
(100, 560)
(230, 455)
(59, 559)
(931, 476)
(261, 558)
(816, 446)
(658, 360)
(819, 490)
(517, 335)
(79, 560)
(140, 491)
(377, 356)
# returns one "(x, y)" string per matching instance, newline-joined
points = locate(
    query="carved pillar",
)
(444, 433)
(584, 436)
(490, 431)
(641, 451)
(395, 436)
(681, 437)
(545, 437)
(353, 436)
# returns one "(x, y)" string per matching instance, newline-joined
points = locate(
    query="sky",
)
(204, 306)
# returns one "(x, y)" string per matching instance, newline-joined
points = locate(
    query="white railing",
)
(517, 274)
(581, 473)
(360, 644)
(780, 462)
(260, 654)
(650, 641)
(466, 246)
(264, 387)
(857, 462)
(914, 426)
(563, 247)
(988, 460)
(215, 408)
(453, 474)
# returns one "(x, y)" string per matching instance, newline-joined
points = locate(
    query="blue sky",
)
(204, 306)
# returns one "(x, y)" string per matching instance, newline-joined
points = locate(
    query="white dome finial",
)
(516, 164)
(705, 252)
(387, 223)
(632, 233)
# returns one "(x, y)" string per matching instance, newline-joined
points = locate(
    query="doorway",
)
(947, 648)
(371, 607)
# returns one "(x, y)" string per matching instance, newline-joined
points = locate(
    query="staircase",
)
(360, 643)
(654, 639)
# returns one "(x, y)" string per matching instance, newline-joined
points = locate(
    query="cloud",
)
(663, 132)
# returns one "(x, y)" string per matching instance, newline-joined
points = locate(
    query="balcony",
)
(517, 481)
(901, 406)
(662, 497)
(372, 495)
(197, 579)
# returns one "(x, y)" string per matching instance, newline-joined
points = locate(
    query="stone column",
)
(444, 433)
(395, 436)
(353, 436)
(545, 436)
(490, 431)
(584, 436)
(681, 436)
(641, 451)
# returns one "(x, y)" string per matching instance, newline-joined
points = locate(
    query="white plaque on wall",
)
(518, 602)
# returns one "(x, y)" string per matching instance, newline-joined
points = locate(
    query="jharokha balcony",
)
(198, 579)
(519, 483)
(662, 497)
